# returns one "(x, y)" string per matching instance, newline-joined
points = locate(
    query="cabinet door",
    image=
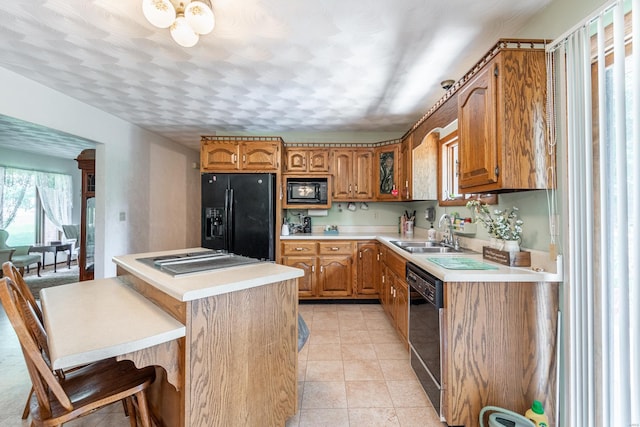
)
(342, 174)
(477, 118)
(386, 290)
(318, 161)
(296, 160)
(335, 277)
(406, 172)
(261, 156)
(368, 267)
(402, 307)
(363, 175)
(306, 283)
(219, 156)
(388, 172)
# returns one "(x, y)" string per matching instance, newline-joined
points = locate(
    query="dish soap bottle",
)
(536, 414)
(431, 234)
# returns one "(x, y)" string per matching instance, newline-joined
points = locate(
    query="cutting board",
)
(461, 263)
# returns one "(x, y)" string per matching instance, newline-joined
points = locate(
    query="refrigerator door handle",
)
(229, 202)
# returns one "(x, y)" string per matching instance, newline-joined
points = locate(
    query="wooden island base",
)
(237, 362)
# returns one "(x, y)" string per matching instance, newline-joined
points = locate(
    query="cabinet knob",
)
(335, 248)
(299, 249)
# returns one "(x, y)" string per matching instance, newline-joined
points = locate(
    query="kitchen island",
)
(237, 364)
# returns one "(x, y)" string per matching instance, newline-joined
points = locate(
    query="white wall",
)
(142, 174)
(558, 17)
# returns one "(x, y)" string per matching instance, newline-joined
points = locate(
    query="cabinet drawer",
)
(298, 248)
(335, 247)
(396, 263)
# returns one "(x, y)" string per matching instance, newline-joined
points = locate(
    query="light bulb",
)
(200, 17)
(182, 33)
(159, 13)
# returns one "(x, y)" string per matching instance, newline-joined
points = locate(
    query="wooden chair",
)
(81, 391)
(36, 327)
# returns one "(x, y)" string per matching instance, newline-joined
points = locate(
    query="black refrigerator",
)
(238, 213)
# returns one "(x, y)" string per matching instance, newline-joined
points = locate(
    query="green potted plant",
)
(504, 225)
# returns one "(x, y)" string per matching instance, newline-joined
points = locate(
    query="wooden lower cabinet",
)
(499, 348)
(335, 276)
(328, 267)
(401, 303)
(306, 285)
(335, 269)
(395, 292)
(368, 269)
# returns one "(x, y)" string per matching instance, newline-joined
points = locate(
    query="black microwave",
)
(307, 191)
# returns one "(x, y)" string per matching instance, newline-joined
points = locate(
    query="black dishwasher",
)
(425, 309)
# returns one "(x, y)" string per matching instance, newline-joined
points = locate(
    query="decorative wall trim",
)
(341, 144)
(502, 44)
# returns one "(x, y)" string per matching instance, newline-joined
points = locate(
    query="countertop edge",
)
(502, 274)
(209, 283)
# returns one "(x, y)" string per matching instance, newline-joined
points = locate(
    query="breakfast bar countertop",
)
(97, 319)
(206, 283)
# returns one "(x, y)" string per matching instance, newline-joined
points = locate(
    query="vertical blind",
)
(596, 104)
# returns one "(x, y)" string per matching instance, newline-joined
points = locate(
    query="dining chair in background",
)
(60, 398)
(21, 257)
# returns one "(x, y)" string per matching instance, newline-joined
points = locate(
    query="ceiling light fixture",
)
(186, 20)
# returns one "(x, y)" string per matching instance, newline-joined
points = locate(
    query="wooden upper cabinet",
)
(219, 156)
(342, 170)
(387, 172)
(406, 168)
(305, 160)
(362, 174)
(352, 172)
(502, 124)
(260, 156)
(228, 155)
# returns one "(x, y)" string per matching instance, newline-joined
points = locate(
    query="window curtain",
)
(13, 187)
(55, 192)
(596, 90)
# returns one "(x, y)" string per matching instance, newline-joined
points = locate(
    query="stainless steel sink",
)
(417, 247)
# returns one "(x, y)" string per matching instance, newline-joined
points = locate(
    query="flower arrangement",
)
(504, 225)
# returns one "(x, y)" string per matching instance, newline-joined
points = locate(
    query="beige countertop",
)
(501, 274)
(206, 283)
(98, 319)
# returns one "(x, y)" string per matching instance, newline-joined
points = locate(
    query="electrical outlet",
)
(375, 215)
(123, 216)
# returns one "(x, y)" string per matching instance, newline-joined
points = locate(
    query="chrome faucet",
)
(448, 239)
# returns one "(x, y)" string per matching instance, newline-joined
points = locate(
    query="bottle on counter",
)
(537, 415)
(431, 234)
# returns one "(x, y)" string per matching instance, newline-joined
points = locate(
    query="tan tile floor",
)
(353, 371)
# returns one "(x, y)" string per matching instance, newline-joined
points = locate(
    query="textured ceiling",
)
(271, 67)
